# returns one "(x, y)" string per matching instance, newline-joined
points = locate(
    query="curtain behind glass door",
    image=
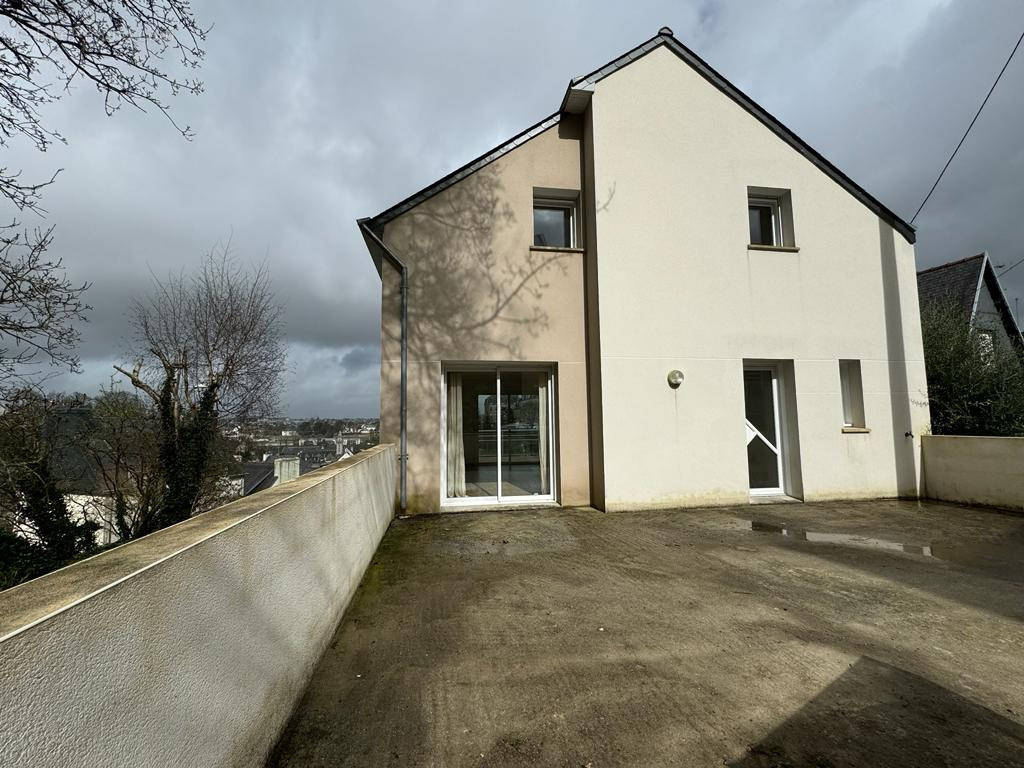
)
(471, 436)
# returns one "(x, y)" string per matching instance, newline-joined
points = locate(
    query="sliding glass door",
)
(498, 433)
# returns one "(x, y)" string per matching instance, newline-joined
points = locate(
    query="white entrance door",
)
(764, 436)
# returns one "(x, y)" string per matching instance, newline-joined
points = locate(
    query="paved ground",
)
(576, 638)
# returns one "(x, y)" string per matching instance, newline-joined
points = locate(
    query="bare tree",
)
(39, 307)
(46, 46)
(207, 350)
(116, 45)
(123, 447)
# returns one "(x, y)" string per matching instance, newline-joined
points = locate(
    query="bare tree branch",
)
(118, 46)
(39, 307)
(207, 349)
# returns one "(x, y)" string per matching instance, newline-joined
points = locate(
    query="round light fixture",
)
(675, 378)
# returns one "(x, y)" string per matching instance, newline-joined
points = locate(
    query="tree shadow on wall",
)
(476, 290)
(879, 715)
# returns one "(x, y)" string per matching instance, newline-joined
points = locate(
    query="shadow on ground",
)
(574, 638)
(878, 715)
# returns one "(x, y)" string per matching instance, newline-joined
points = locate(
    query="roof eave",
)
(575, 101)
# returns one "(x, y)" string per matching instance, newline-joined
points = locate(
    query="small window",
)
(765, 222)
(853, 393)
(770, 215)
(554, 223)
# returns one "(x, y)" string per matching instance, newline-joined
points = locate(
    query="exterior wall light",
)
(675, 378)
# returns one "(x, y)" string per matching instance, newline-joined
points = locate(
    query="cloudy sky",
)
(318, 113)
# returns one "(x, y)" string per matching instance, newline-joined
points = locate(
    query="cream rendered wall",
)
(478, 292)
(678, 288)
(974, 470)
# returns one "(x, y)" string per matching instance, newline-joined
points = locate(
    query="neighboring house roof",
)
(962, 282)
(256, 476)
(578, 95)
(958, 281)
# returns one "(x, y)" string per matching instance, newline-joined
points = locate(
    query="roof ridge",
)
(667, 38)
(952, 263)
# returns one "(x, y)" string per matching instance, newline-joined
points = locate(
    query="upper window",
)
(554, 221)
(765, 222)
(770, 215)
(853, 393)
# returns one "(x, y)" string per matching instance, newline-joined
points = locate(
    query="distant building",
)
(257, 476)
(972, 285)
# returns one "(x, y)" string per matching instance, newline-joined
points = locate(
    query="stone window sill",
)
(780, 248)
(555, 248)
(855, 430)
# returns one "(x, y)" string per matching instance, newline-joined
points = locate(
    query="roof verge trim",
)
(462, 172)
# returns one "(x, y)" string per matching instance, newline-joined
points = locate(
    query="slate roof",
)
(956, 281)
(256, 476)
(962, 281)
(575, 100)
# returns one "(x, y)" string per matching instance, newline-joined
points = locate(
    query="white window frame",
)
(562, 204)
(772, 203)
(482, 501)
(780, 437)
(852, 393)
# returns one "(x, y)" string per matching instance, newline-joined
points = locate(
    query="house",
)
(584, 316)
(972, 285)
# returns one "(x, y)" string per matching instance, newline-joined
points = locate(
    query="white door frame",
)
(778, 449)
(496, 368)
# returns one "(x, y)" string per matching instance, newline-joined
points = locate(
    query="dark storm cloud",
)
(316, 114)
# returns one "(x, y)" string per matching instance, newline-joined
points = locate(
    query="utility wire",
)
(964, 137)
(1017, 264)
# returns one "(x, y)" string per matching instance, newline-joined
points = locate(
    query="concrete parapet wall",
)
(190, 646)
(974, 470)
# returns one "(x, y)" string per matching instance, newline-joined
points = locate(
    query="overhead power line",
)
(964, 137)
(1010, 267)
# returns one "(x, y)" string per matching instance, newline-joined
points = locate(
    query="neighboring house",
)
(591, 319)
(309, 457)
(971, 285)
(255, 476)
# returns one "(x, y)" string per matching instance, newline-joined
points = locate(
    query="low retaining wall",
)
(974, 470)
(190, 647)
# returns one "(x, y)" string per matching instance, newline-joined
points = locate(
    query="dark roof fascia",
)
(370, 237)
(710, 74)
(377, 222)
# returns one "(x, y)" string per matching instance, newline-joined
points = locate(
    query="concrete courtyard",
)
(846, 634)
